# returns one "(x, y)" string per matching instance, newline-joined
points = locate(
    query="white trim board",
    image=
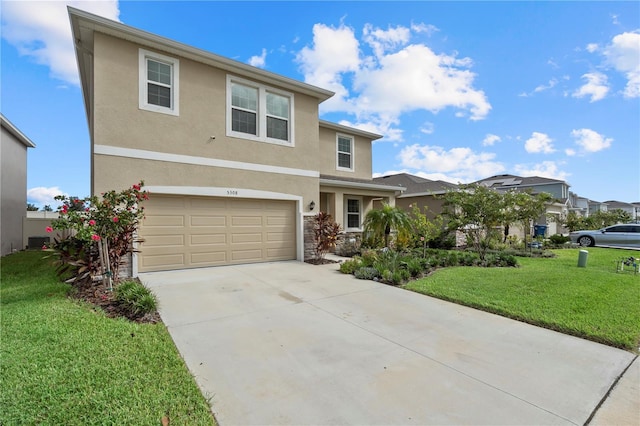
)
(142, 154)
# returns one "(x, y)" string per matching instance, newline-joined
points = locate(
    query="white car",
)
(621, 235)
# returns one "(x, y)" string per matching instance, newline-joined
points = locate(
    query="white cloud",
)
(396, 78)
(453, 165)
(547, 169)
(552, 83)
(335, 51)
(539, 143)
(624, 55)
(490, 139)
(41, 31)
(596, 86)
(258, 60)
(592, 47)
(590, 141)
(382, 41)
(570, 152)
(427, 128)
(43, 196)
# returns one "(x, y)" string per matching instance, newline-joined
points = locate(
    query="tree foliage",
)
(597, 220)
(480, 212)
(32, 207)
(378, 223)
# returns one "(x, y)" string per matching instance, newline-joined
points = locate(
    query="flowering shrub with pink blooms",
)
(109, 222)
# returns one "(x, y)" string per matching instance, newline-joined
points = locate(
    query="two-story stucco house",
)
(13, 193)
(235, 157)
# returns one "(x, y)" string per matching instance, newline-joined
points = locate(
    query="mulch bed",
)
(99, 295)
(321, 261)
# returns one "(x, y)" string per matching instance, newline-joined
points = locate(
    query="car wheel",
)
(586, 241)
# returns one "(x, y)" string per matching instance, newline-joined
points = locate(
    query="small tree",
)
(109, 224)
(380, 222)
(424, 230)
(325, 234)
(32, 207)
(477, 211)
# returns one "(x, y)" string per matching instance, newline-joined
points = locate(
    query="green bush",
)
(136, 298)
(415, 266)
(366, 273)
(559, 239)
(350, 266)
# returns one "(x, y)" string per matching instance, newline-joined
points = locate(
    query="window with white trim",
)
(353, 214)
(344, 153)
(258, 112)
(158, 82)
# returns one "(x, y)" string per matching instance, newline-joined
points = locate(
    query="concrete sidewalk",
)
(292, 343)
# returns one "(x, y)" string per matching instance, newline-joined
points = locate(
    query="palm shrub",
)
(137, 299)
(379, 222)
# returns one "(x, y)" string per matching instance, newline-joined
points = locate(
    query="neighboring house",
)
(597, 206)
(558, 189)
(13, 192)
(620, 205)
(637, 213)
(580, 205)
(419, 192)
(235, 157)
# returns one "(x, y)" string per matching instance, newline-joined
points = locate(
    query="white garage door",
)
(190, 232)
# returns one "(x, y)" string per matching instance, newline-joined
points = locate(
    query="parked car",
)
(620, 235)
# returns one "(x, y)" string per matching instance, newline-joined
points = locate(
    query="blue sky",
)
(460, 90)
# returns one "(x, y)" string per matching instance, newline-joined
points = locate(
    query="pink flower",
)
(421, 238)
(49, 229)
(136, 187)
(92, 222)
(95, 237)
(115, 219)
(86, 209)
(44, 247)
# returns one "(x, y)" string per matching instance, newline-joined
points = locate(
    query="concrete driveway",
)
(292, 343)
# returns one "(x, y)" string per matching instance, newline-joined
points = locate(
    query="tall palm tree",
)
(380, 222)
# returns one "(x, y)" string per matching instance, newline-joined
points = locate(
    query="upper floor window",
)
(158, 82)
(345, 153)
(258, 112)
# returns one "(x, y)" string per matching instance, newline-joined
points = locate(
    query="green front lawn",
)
(595, 302)
(64, 364)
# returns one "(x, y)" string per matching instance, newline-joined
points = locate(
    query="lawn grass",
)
(595, 302)
(62, 363)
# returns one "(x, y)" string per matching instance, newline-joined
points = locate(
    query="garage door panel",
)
(250, 255)
(246, 238)
(167, 261)
(217, 221)
(164, 240)
(209, 239)
(163, 221)
(190, 231)
(207, 203)
(246, 221)
(209, 258)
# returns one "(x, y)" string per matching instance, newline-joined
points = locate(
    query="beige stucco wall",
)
(328, 155)
(13, 191)
(202, 95)
(433, 204)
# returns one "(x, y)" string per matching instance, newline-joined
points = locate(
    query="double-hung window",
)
(344, 153)
(353, 213)
(158, 82)
(260, 113)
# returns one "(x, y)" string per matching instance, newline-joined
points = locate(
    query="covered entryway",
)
(190, 232)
